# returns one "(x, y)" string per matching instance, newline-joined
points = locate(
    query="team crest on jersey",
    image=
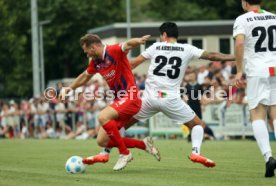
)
(107, 62)
(101, 64)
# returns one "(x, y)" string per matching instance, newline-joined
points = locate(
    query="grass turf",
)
(41, 162)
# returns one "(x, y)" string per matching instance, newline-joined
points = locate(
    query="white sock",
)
(274, 124)
(108, 150)
(262, 138)
(197, 137)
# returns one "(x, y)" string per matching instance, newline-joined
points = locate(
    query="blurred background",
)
(58, 58)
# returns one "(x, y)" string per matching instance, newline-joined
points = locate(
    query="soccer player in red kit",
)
(112, 63)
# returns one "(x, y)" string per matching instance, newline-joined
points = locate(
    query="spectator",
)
(203, 72)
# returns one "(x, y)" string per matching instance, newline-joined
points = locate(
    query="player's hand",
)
(238, 80)
(143, 39)
(63, 95)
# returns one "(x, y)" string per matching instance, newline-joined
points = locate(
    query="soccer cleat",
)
(99, 158)
(122, 161)
(270, 167)
(201, 159)
(151, 149)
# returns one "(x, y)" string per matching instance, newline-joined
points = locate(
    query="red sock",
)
(114, 134)
(130, 143)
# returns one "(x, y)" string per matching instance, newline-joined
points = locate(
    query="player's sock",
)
(274, 124)
(197, 137)
(130, 143)
(114, 134)
(262, 138)
(107, 150)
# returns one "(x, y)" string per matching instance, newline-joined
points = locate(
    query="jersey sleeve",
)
(195, 53)
(117, 49)
(91, 69)
(148, 53)
(239, 27)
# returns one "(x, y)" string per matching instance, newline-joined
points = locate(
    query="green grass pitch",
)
(41, 163)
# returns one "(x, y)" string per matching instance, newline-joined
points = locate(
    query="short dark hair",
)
(170, 29)
(254, 2)
(90, 39)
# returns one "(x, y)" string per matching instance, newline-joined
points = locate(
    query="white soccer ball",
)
(74, 165)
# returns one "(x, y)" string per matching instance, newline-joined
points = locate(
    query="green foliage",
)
(15, 58)
(70, 19)
(269, 5)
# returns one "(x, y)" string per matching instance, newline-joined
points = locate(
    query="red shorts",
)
(126, 108)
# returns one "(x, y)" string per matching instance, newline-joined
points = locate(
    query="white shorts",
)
(174, 108)
(261, 90)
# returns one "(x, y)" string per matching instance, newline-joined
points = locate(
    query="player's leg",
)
(197, 133)
(103, 157)
(107, 119)
(102, 141)
(272, 108)
(178, 110)
(123, 109)
(258, 93)
(258, 116)
(260, 131)
(271, 164)
(272, 114)
(145, 112)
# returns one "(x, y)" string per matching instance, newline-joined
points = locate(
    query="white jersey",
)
(168, 64)
(260, 41)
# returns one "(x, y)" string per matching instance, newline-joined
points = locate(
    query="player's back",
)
(260, 41)
(168, 64)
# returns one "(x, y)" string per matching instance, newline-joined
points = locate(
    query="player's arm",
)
(81, 80)
(134, 42)
(239, 52)
(137, 61)
(216, 56)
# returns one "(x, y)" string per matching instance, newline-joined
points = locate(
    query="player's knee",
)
(102, 119)
(101, 143)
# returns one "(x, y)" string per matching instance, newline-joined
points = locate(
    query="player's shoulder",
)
(186, 46)
(155, 46)
(114, 49)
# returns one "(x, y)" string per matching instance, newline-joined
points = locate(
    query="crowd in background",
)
(35, 118)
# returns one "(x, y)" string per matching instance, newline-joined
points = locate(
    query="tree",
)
(70, 19)
(15, 58)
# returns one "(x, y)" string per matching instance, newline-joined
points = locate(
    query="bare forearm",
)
(132, 65)
(81, 80)
(239, 58)
(221, 57)
(132, 43)
(137, 61)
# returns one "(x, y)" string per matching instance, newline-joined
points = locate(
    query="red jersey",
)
(115, 68)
